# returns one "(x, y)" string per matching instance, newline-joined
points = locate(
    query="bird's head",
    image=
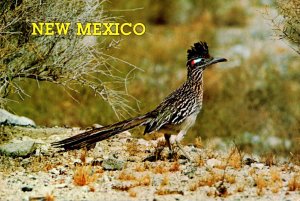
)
(198, 57)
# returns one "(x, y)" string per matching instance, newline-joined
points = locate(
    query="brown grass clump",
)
(48, 166)
(252, 172)
(200, 161)
(193, 186)
(175, 167)
(240, 188)
(160, 169)
(260, 184)
(164, 181)
(230, 179)
(84, 175)
(140, 168)
(235, 158)
(269, 159)
(49, 197)
(198, 142)
(132, 148)
(209, 180)
(92, 188)
(124, 187)
(126, 176)
(132, 193)
(164, 191)
(145, 180)
(294, 183)
(99, 171)
(276, 182)
(83, 155)
(275, 175)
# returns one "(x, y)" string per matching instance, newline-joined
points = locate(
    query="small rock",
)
(77, 161)
(25, 162)
(112, 164)
(189, 171)
(96, 126)
(19, 149)
(26, 189)
(11, 119)
(258, 165)
(249, 161)
(54, 171)
(63, 185)
(89, 160)
(213, 162)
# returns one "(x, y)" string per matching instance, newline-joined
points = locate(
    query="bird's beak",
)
(216, 60)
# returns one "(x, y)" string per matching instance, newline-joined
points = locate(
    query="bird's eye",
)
(196, 61)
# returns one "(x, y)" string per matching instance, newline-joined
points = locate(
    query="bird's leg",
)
(182, 150)
(167, 138)
(176, 140)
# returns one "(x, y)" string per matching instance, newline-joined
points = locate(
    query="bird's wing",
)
(173, 110)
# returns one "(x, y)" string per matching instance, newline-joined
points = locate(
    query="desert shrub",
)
(66, 60)
(286, 24)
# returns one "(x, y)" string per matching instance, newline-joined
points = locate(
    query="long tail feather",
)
(90, 137)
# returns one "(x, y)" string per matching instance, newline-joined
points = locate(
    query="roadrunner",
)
(173, 117)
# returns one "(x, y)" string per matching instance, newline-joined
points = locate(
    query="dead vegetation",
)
(294, 183)
(84, 175)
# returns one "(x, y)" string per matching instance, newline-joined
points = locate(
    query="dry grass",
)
(175, 167)
(132, 148)
(276, 181)
(275, 174)
(261, 183)
(210, 179)
(83, 155)
(160, 169)
(240, 188)
(230, 179)
(200, 161)
(235, 158)
(140, 167)
(84, 175)
(165, 191)
(165, 181)
(92, 188)
(125, 176)
(142, 181)
(49, 197)
(132, 193)
(294, 183)
(198, 142)
(145, 180)
(269, 159)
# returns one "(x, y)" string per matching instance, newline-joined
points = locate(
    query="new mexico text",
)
(90, 28)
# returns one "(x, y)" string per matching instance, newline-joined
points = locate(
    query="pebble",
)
(112, 164)
(7, 118)
(258, 165)
(213, 162)
(26, 189)
(18, 149)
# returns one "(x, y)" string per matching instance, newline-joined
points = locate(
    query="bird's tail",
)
(90, 137)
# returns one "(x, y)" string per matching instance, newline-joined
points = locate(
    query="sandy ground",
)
(115, 170)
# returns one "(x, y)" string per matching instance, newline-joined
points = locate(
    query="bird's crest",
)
(199, 50)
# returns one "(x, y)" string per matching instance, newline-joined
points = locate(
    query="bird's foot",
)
(155, 156)
(185, 154)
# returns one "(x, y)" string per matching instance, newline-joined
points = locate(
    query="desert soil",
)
(115, 170)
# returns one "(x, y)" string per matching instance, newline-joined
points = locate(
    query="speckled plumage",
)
(174, 116)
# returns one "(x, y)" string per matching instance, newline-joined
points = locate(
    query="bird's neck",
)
(195, 80)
